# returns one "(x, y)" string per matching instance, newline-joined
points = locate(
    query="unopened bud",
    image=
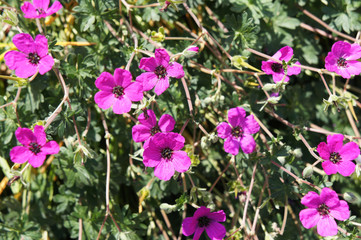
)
(349, 197)
(358, 159)
(190, 51)
(298, 153)
(307, 172)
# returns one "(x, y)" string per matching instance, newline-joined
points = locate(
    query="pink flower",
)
(193, 48)
(148, 126)
(338, 157)
(35, 146)
(159, 69)
(40, 8)
(118, 91)
(239, 135)
(276, 69)
(343, 59)
(163, 153)
(33, 56)
(322, 210)
(202, 220)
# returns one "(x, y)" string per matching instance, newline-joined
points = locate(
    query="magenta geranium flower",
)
(343, 59)
(40, 8)
(163, 153)
(149, 126)
(239, 133)
(322, 211)
(35, 146)
(338, 157)
(32, 56)
(276, 69)
(159, 69)
(202, 220)
(118, 91)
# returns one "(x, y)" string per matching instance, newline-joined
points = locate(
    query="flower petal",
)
(236, 115)
(346, 168)
(148, 80)
(219, 216)
(134, 91)
(216, 231)
(19, 62)
(189, 226)
(267, 67)
(247, 143)
(341, 212)
(54, 8)
(20, 154)
(250, 126)
(41, 45)
(148, 64)
(231, 146)
(340, 49)
(37, 160)
(164, 170)
(40, 135)
(202, 211)
(284, 53)
(311, 200)
(41, 4)
(309, 217)
(329, 167)
(331, 62)
(294, 70)
(104, 99)
(198, 233)
(24, 42)
(105, 82)
(166, 123)
(224, 130)
(175, 70)
(45, 64)
(353, 68)
(334, 142)
(122, 77)
(140, 133)
(50, 148)
(162, 57)
(329, 197)
(122, 105)
(152, 155)
(323, 151)
(150, 120)
(180, 160)
(25, 136)
(277, 77)
(355, 52)
(29, 10)
(327, 226)
(161, 85)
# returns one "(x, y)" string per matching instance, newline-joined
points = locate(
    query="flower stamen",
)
(118, 91)
(160, 71)
(237, 131)
(335, 157)
(323, 209)
(155, 130)
(35, 148)
(341, 63)
(33, 58)
(167, 153)
(203, 221)
(276, 67)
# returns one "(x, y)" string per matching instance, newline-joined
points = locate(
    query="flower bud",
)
(298, 153)
(350, 197)
(358, 159)
(307, 172)
(190, 51)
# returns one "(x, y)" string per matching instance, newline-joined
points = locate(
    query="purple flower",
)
(338, 157)
(204, 219)
(118, 91)
(276, 69)
(239, 133)
(159, 69)
(322, 211)
(343, 59)
(33, 56)
(163, 153)
(148, 126)
(193, 49)
(40, 8)
(35, 146)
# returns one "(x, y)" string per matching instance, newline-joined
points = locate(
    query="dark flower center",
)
(160, 71)
(118, 91)
(237, 132)
(341, 62)
(167, 153)
(155, 130)
(33, 58)
(203, 221)
(40, 11)
(35, 148)
(335, 157)
(276, 67)
(323, 209)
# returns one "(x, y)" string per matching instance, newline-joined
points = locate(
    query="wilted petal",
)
(161, 85)
(224, 130)
(247, 143)
(216, 231)
(104, 99)
(175, 70)
(341, 212)
(327, 226)
(309, 217)
(51, 147)
(45, 64)
(189, 226)
(37, 160)
(311, 200)
(180, 160)
(25, 136)
(164, 170)
(166, 123)
(20, 154)
(329, 167)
